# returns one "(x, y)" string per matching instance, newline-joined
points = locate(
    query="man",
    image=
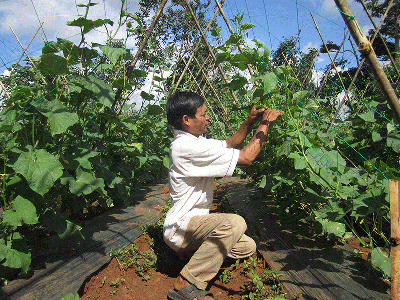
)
(195, 162)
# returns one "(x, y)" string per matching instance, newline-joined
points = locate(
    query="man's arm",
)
(238, 137)
(249, 153)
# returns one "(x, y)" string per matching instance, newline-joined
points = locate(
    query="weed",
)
(103, 281)
(260, 285)
(226, 276)
(117, 282)
(142, 262)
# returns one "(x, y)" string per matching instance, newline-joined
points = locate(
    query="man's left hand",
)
(255, 114)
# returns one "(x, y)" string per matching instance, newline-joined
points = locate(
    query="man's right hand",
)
(270, 115)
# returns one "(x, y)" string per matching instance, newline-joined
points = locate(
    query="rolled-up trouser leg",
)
(214, 237)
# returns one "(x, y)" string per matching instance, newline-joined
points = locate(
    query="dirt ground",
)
(118, 281)
(150, 276)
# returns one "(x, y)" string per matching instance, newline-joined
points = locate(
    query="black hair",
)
(180, 104)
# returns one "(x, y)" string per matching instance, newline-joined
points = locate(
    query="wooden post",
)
(141, 47)
(394, 187)
(365, 47)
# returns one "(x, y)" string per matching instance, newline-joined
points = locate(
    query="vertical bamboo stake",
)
(394, 187)
(5, 90)
(141, 47)
(330, 67)
(365, 47)
(231, 31)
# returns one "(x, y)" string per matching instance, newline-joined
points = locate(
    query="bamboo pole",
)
(5, 90)
(207, 102)
(141, 47)
(26, 53)
(209, 48)
(394, 187)
(329, 53)
(231, 31)
(359, 68)
(365, 47)
(225, 115)
(380, 35)
(193, 53)
(37, 30)
(330, 67)
(311, 67)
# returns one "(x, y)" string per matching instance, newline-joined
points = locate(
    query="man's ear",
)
(185, 120)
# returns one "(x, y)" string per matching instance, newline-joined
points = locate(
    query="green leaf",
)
(270, 82)
(85, 183)
(368, 116)
(263, 181)
(101, 89)
(136, 73)
(154, 110)
(23, 212)
(376, 137)
(142, 160)
(393, 141)
(285, 149)
(166, 161)
(301, 96)
(52, 64)
(15, 253)
(87, 25)
(113, 54)
(237, 83)
(331, 228)
(40, 168)
(146, 96)
(59, 118)
(247, 26)
(380, 260)
(138, 146)
(71, 296)
(59, 224)
(216, 31)
(299, 161)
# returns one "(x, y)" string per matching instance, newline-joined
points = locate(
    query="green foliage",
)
(260, 284)
(226, 276)
(336, 178)
(65, 144)
(71, 296)
(131, 257)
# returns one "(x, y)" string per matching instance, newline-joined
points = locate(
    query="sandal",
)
(189, 292)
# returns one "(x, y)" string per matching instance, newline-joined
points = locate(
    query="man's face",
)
(198, 125)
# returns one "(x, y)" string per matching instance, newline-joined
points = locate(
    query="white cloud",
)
(308, 46)
(21, 16)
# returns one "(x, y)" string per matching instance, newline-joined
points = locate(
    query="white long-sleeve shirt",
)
(194, 163)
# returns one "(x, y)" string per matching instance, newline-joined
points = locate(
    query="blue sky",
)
(274, 20)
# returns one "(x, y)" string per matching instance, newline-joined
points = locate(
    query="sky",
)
(275, 20)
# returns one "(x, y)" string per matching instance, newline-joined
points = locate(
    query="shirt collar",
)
(178, 132)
